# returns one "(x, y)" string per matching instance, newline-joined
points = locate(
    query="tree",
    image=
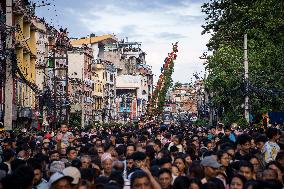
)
(177, 85)
(228, 21)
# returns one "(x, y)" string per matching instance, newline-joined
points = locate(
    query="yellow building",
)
(25, 48)
(97, 43)
(99, 80)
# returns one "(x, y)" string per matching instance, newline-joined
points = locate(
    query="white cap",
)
(74, 173)
(57, 176)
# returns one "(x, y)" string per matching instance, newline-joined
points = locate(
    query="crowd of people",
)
(149, 156)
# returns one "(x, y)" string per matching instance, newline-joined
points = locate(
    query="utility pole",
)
(9, 86)
(246, 77)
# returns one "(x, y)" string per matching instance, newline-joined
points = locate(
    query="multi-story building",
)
(123, 60)
(109, 91)
(185, 99)
(2, 60)
(135, 78)
(104, 73)
(99, 80)
(81, 83)
(25, 48)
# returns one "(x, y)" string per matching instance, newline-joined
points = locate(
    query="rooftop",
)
(93, 39)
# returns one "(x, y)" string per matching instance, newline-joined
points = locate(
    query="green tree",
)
(228, 21)
(177, 85)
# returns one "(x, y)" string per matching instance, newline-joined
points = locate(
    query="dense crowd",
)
(150, 156)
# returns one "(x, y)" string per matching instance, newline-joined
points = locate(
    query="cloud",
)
(155, 23)
(168, 35)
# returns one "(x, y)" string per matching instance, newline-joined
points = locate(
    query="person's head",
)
(64, 127)
(8, 155)
(60, 181)
(280, 158)
(107, 165)
(223, 177)
(246, 169)
(181, 182)
(98, 142)
(86, 161)
(237, 182)
(230, 151)
(116, 179)
(269, 174)
(100, 150)
(37, 173)
(75, 174)
(177, 140)
(21, 178)
(273, 133)
(157, 145)
(165, 178)
(175, 171)
(140, 180)
(244, 140)
(165, 162)
(56, 166)
(227, 130)
(213, 183)
(255, 162)
(118, 166)
(260, 141)
(6, 144)
(54, 155)
(194, 183)
(180, 163)
(223, 158)
(209, 145)
(130, 162)
(139, 159)
(130, 149)
(277, 167)
(210, 166)
(196, 170)
(188, 159)
(71, 153)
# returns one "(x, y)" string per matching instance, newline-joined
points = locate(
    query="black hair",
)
(131, 144)
(4, 167)
(21, 178)
(196, 170)
(253, 183)
(173, 149)
(195, 181)
(243, 138)
(213, 183)
(165, 160)
(277, 164)
(220, 154)
(181, 182)
(69, 149)
(115, 178)
(17, 163)
(271, 132)
(268, 184)
(76, 163)
(8, 154)
(136, 175)
(241, 177)
(164, 170)
(260, 138)
(158, 142)
(244, 163)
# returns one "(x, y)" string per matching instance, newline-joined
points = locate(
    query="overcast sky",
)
(155, 23)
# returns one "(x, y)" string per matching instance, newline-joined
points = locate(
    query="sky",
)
(155, 23)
